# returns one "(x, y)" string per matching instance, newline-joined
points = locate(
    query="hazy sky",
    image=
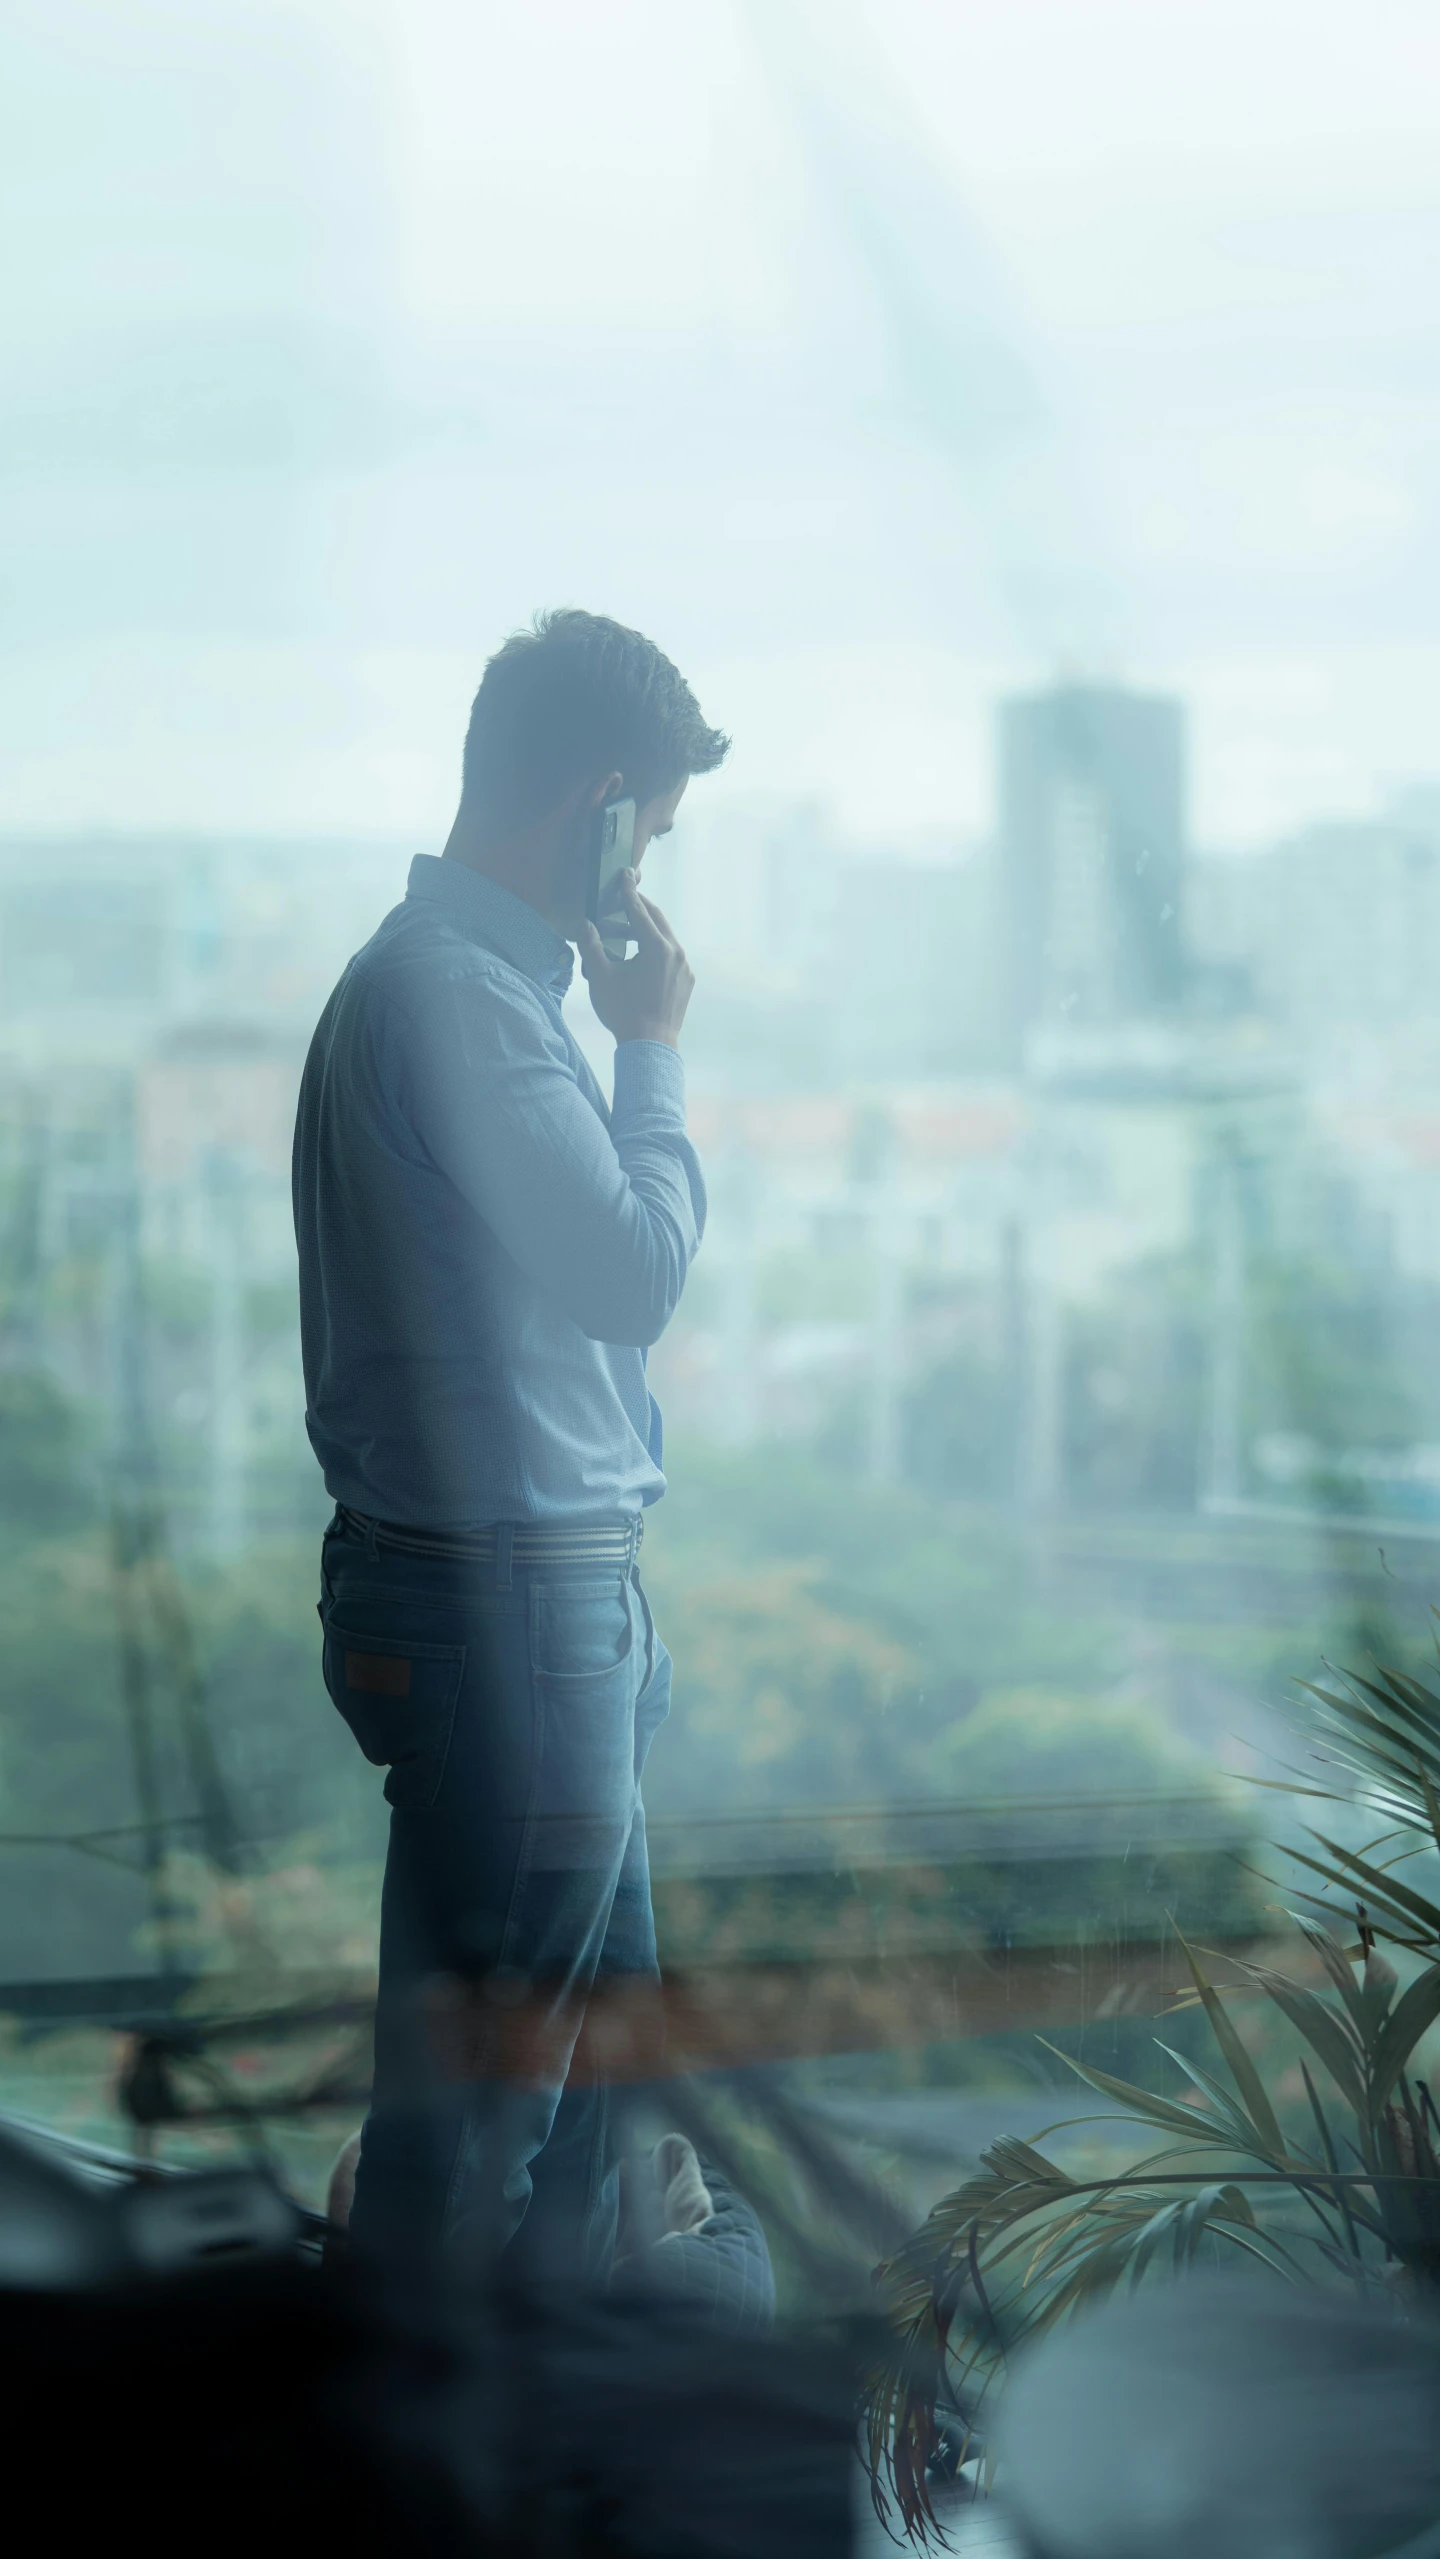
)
(873, 357)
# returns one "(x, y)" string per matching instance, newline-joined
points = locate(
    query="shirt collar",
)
(487, 914)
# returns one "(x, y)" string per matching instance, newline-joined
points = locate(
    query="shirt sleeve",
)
(605, 1220)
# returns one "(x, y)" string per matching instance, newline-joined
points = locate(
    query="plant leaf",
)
(1331, 2039)
(1412, 2016)
(1247, 2136)
(1386, 1917)
(1242, 2069)
(1382, 1884)
(1138, 2102)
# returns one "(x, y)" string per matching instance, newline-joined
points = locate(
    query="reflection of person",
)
(486, 1251)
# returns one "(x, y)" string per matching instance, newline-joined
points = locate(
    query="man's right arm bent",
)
(605, 1220)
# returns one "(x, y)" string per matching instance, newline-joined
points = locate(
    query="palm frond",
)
(1259, 2113)
(1332, 2037)
(1383, 1731)
(1021, 2244)
(1410, 1917)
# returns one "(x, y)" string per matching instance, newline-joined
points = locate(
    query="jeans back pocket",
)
(398, 1698)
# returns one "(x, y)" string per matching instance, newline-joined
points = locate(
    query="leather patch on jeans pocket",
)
(378, 1674)
(400, 1706)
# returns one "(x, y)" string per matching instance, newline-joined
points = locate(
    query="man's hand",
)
(643, 998)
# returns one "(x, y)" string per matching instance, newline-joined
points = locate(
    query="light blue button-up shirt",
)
(486, 1249)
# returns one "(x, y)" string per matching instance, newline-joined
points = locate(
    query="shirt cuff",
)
(649, 1080)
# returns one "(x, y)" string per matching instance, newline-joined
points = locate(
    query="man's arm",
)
(605, 1221)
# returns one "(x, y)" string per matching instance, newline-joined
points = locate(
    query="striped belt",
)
(578, 1541)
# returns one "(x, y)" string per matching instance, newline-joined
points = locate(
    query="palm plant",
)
(1353, 2194)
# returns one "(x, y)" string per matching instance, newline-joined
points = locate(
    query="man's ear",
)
(608, 789)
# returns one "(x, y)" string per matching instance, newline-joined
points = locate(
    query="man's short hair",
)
(572, 698)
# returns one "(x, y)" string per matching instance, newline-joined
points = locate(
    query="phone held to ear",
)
(612, 850)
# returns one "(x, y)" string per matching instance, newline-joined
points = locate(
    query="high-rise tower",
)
(1091, 853)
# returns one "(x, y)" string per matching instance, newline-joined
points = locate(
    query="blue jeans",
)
(514, 1707)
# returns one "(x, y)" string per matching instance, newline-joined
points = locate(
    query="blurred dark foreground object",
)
(1228, 2418)
(170, 2358)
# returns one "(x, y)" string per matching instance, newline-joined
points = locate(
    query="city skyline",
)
(883, 375)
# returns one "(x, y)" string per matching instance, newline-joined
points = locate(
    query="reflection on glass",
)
(1018, 425)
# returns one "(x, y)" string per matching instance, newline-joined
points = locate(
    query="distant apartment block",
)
(1337, 926)
(106, 943)
(1090, 858)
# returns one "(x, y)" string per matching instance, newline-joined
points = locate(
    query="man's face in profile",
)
(655, 818)
(652, 818)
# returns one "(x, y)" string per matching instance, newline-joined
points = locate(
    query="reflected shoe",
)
(688, 2239)
(340, 2193)
(686, 2202)
(662, 2197)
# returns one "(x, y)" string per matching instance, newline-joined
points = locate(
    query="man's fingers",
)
(657, 916)
(638, 908)
(593, 960)
(644, 914)
(663, 926)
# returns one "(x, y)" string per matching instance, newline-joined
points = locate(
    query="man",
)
(486, 1253)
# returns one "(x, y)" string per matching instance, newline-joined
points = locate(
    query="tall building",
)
(1090, 857)
(1337, 926)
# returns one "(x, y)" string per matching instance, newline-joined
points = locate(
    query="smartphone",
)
(612, 850)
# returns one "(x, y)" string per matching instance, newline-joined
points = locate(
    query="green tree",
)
(46, 1483)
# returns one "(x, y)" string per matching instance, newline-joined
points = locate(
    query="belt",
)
(615, 1541)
